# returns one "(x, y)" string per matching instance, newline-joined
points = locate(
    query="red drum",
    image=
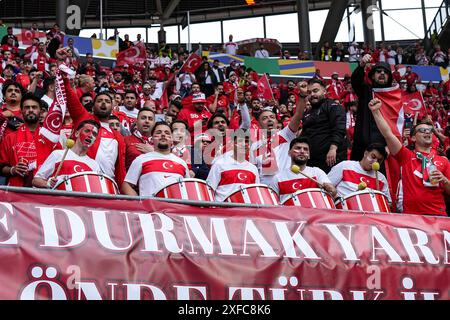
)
(371, 200)
(254, 194)
(92, 182)
(310, 198)
(187, 189)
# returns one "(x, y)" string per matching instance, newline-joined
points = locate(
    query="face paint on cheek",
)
(87, 136)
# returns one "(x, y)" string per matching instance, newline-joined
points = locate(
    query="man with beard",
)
(324, 127)
(18, 157)
(198, 115)
(425, 175)
(152, 171)
(239, 112)
(11, 111)
(219, 101)
(366, 131)
(76, 159)
(271, 151)
(40, 58)
(174, 109)
(286, 182)
(128, 112)
(109, 149)
(219, 123)
(140, 141)
(218, 71)
(347, 175)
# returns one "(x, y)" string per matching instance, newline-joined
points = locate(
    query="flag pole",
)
(189, 32)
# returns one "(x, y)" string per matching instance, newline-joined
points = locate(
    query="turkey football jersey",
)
(153, 171)
(227, 175)
(347, 175)
(72, 164)
(286, 182)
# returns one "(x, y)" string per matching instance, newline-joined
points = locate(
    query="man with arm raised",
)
(425, 175)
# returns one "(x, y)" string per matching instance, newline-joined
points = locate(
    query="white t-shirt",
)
(108, 150)
(286, 182)
(158, 91)
(130, 113)
(261, 53)
(280, 150)
(71, 165)
(347, 175)
(153, 171)
(227, 175)
(230, 47)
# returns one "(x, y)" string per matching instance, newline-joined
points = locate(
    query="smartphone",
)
(408, 123)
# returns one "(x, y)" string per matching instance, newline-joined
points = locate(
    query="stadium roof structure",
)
(143, 13)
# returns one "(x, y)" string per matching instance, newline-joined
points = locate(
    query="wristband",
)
(11, 171)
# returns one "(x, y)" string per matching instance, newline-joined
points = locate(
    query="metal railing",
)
(125, 197)
(439, 21)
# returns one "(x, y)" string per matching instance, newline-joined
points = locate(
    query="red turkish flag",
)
(413, 103)
(192, 63)
(25, 37)
(164, 100)
(133, 55)
(264, 89)
(392, 108)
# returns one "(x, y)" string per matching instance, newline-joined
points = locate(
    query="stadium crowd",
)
(147, 124)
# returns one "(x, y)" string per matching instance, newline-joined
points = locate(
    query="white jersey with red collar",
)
(227, 175)
(278, 152)
(72, 164)
(286, 182)
(347, 175)
(107, 151)
(153, 171)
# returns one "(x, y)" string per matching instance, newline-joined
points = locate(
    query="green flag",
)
(262, 65)
(3, 32)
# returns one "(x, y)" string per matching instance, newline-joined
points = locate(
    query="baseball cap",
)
(198, 98)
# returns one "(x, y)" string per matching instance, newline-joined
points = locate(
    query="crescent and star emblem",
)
(167, 165)
(296, 186)
(130, 56)
(243, 177)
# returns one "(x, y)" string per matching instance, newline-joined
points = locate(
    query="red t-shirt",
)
(222, 102)
(132, 152)
(191, 116)
(418, 199)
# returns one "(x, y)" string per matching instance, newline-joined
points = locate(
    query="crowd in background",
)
(172, 92)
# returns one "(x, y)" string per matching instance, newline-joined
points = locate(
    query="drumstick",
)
(296, 169)
(376, 167)
(69, 145)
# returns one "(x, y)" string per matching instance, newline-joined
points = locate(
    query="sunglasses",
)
(380, 70)
(424, 130)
